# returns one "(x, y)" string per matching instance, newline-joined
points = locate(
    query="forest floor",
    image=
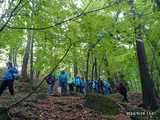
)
(42, 107)
(59, 108)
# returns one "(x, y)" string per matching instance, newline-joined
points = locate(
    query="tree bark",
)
(31, 65)
(100, 84)
(95, 70)
(92, 69)
(87, 70)
(148, 91)
(26, 58)
(75, 65)
(13, 56)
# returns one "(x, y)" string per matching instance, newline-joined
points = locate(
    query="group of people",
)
(65, 81)
(98, 86)
(68, 84)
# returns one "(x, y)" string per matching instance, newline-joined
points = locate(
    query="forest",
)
(92, 40)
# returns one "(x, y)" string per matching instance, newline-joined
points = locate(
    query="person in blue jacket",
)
(106, 87)
(95, 86)
(8, 79)
(82, 86)
(63, 79)
(78, 83)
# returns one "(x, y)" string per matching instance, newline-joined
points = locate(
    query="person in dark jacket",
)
(82, 86)
(8, 79)
(121, 88)
(50, 81)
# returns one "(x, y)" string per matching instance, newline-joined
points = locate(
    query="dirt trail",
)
(66, 108)
(59, 108)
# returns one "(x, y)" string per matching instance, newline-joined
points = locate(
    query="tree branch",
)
(44, 78)
(64, 21)
(9, 7)
(5, 24)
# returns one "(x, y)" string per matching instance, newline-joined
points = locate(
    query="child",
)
(50, 82)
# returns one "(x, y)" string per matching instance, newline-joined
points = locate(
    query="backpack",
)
(63, 77)
(77, 81)
(50, 79)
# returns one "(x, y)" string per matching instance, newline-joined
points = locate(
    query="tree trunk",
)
(31, 48)
(26, 58)
(148, 91)
(155, 60)
(92, 70)
(75, 68)
(31, 65)
(95, 70)
(99, 72)
(87, 70)
(13, 56)
(100, 84)
(37, 74)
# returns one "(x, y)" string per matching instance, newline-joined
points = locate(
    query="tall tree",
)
(26, 57)
(148, 90)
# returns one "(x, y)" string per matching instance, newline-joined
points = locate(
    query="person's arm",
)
(13, 70)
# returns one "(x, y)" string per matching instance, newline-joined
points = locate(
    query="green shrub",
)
(102, 104)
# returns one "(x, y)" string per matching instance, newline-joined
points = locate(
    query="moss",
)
(102, 104)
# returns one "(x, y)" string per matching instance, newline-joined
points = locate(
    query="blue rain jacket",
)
(106, 86)
(63, 77)
(78, 81)
(9, 73)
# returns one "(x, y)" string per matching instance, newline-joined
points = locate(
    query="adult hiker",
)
(8, 79)
(89, 85)
(121, 88)
(50, 81)
(106, 87)
(78, 83)
(63, 79)
(95, 86)
(100, 86)
(71, 85)
(82, 86)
